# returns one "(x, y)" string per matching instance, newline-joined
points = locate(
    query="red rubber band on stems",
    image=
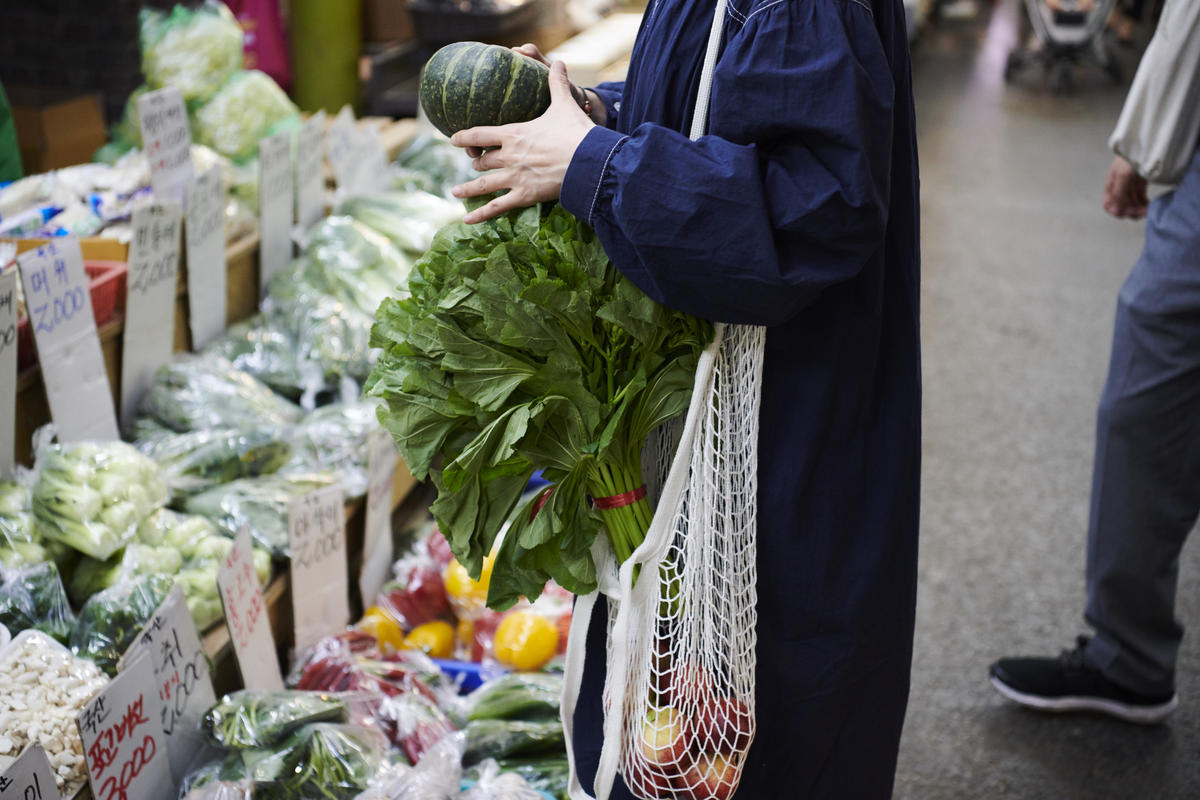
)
(619, 500)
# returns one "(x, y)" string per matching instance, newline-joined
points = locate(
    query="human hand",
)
(530, 159)
(530, 51)
(1125, 191)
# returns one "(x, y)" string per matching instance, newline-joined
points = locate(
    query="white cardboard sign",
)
(275, 202)
(185, 691)
(310, 172)
(122, 742)
(372, 160)
(205, 237)
(246, 617)
(8, 369)
(341, 144)
(167, 142)
(317, 539)
(150, 301)
(59, 305)
(377, 531)
(29, 777)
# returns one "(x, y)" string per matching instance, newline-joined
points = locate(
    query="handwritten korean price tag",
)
(341, 148)
(246, 617)
(204, 229)
(8, 368)
(372, 160)
(185, 691)
(377, 534)
(60, 310)
(317, 538)
(310, 172)
(150, 301)
(275, 201)
(167, 141)
(29, 777)
(122, 741)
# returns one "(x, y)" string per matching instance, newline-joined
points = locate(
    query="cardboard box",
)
(56, 128)
(386, 21)
(95, 248)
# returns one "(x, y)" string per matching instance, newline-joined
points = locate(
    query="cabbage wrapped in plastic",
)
(260, 504)
(93, 495)
(92, 576)
(335, 437)
(262, 348)
(248, 107)
(198, 460)
(199, 392)
(431, 164)
(110, 621)
(194, 50)
(128, 130)
(409, 219)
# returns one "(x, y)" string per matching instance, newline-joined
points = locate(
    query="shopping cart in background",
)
(1058, 35)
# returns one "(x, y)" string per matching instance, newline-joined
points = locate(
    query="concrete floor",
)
(1021, 270)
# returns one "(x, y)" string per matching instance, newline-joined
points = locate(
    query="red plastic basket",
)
(106, 280)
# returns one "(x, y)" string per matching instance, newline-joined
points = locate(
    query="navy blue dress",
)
(799, 211)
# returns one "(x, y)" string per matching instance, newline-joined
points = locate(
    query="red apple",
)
(712, 777)
(647, 781)
(721, 726)
(663, 742)
(690, 685)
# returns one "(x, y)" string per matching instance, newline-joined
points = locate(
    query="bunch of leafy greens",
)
(521, 347)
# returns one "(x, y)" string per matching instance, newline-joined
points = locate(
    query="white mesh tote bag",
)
(679, 689)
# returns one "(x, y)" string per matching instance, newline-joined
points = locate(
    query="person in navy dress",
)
(798, 210)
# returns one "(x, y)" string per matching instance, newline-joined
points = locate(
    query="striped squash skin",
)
(467, 84)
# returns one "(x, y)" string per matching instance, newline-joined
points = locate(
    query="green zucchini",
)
(468, 84)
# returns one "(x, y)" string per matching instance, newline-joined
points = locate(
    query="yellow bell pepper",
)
(526, 641)
(435, 639)
(386, 630)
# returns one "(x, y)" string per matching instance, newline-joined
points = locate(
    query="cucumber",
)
(468, 84)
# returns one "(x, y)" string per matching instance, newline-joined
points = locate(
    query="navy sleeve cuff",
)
(582, 185)
(610, 95)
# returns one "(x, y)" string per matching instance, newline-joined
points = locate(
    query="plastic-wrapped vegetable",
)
(497, 738)
(324, 760)
(259, 503)
(206, 391)
(110, 621)
(16, 515)
(255, 719)
(33, 597)
(352, 263)
(431, 164)
(493, 784)
(248, 107)
(548, 774)
(92, 496)
(128, 130)
(330, 334)
(409, 219)
(91, 576)
(198, 460)
(518, 695)
(334, 437)
(193, 50)
(264, 350)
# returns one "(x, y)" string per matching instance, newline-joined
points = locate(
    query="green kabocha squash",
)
(467, 84)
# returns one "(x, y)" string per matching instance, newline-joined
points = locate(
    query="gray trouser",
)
(1146, 479)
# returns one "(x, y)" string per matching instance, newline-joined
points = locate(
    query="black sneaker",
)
(1067, 683)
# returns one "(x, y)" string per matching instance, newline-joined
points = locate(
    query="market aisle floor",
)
(1021, 271)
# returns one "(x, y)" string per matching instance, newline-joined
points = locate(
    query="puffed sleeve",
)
(786, 196)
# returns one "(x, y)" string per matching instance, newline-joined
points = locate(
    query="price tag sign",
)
(204, 231)
(317, 538)
(60, 310)
(377, 533)
(246, 617)
(149, 302)
(341, 148)
(8, 368)
(122, 743)
(29, 777)
(185, 691)
(310, 172)
(372, 160)
(275, 201)
(167, 141)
